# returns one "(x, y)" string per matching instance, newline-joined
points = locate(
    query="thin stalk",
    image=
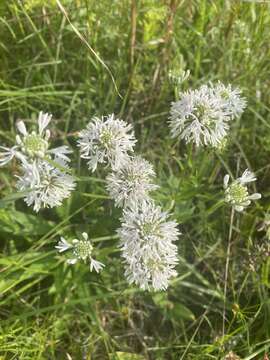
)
(227, 270)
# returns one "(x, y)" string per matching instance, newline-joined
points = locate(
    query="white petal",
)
(43, 121)
(18, 140)
(63, 240)
(239, 208)
(63, 245)
(72, 261)
(22, 158)
(61, 152)
(247, 177)
(60, 248)
(255, 196)
(7, 155)
(226, 181)
(96, 265)
(85, 235)
(47, 134)
(21, 127)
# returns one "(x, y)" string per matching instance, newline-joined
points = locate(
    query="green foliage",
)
(49, 310)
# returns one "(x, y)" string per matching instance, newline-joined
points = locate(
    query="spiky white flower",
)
(233, 102)
(237, 193)
(44, 184)
(81, 250)
(147, 244)
(34, 145)
(199, 117)
(132, 182)
(106, 140)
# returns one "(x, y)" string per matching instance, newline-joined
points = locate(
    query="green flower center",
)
(106, 138)
(225, 95)
(149, 229)
(131, 177)
(154, 264)
(237, 193)
(83, 249)
(203, 114)
(35, 145)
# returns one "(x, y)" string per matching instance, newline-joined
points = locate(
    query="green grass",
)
(75, 70)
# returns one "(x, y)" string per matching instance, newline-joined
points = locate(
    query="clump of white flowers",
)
(44, 184)
(236, 194)
(106, 140)
(147, 244)
(44, 172)
(132, 182)
(81, 250)
(146, 236)
(202, 115)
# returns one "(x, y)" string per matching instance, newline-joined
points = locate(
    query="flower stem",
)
(227, 270)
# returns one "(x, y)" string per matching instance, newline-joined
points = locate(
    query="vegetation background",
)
(61, 57)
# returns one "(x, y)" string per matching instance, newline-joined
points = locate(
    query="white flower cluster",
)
(44, 174)
(106, 141)
(45, 185)
(146, 236)
(81, 250)
(147, 243)
(237, 193)
(203, 115)
(132, 182)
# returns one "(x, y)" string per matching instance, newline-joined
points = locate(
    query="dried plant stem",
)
(133, 32)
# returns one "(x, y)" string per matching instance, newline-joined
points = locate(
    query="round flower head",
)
(34, 145)
(232, 101)
(81, 250)
(146, 240)
(132, 182)
(237, 193)
(106, 140)
(44, 184)
(199, 117)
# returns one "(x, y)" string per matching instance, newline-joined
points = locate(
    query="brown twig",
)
(165, 53)
(133, 32)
